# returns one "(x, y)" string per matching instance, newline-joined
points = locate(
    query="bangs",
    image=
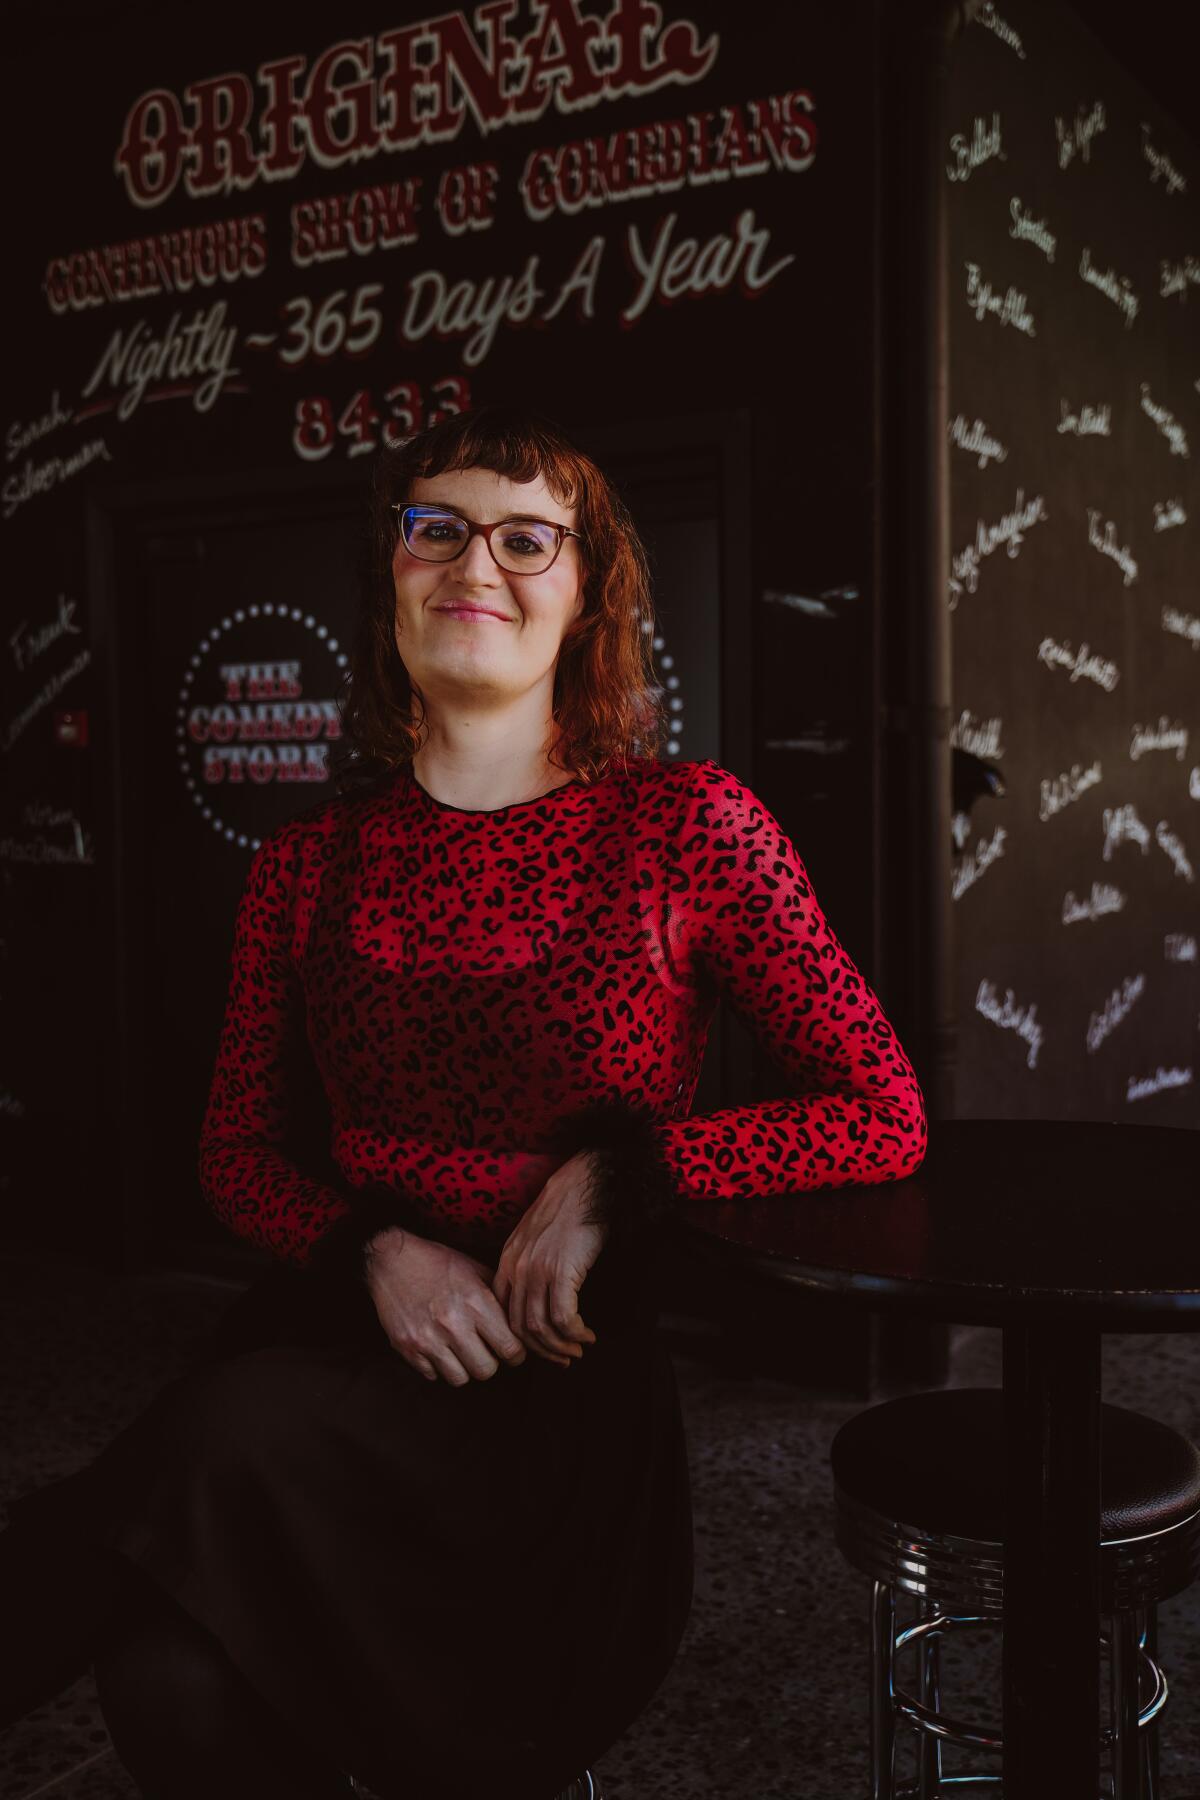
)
(520, 445)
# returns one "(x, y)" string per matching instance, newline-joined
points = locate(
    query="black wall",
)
(738, 394)
(1075, 443)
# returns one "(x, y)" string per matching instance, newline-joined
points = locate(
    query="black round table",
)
(1056, 1231)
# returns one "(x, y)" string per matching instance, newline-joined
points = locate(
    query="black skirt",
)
(447, 1591)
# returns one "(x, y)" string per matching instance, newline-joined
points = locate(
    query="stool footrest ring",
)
(986, 1737)
(938, 1725)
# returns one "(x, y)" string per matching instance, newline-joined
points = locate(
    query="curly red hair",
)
(607, 703)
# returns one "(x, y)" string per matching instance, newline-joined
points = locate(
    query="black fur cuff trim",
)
(633, 1190)
(343, 1248)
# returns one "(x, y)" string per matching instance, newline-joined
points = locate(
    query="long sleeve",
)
(746, 917)
(247, 1178)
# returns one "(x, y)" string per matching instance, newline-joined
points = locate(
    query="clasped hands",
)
(450, 1315)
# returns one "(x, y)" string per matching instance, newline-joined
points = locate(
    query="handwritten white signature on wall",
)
(1062, 790)
(1176, 277)
(981, 738)
(1173, 848)
(1167, 423)
(1161, 1078)
(1034, 231)
(1009, 530)
(1089, 421)
(1011, 1017)
(43, 816)
(1009, 308)
(1118, 1006)
(970, 152)
(28, 643)
(19, 437)
(1104, 898)
(40, 478)
(1080, 662)
(988, 17)
(1162, 736)
(1118, 289)
(976, 861)
(1161, 164)
(976, 440)
(1075, 139)
(1122, 825)
(1107, 545)
(50, 688)
(44, 850)
(1181, 624)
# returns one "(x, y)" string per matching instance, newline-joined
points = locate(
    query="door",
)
(231, 673)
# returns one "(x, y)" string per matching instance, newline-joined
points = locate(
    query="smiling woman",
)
(486, 718)
(426, 1490)
(487, 694)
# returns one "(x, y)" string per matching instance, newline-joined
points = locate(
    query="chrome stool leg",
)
(929, 1693)
(1127, 1753)
(883, 1717)
(1149, 1638)
(1130, 1737)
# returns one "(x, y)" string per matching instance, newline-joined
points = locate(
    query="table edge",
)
(1135, 1310)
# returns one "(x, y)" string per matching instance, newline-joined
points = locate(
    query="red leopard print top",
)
(466, 978)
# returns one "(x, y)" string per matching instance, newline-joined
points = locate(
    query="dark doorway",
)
(232, 628)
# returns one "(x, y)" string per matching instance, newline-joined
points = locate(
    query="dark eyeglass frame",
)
(475, 529)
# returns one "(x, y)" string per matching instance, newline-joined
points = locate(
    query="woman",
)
(377, 1530)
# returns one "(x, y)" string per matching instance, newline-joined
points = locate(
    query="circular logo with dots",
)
(256, 717)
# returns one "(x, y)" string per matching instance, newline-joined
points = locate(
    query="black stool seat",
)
(937, 1460)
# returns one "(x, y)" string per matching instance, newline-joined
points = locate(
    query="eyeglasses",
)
(525, 546)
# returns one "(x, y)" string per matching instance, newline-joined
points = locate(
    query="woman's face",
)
(454, 657)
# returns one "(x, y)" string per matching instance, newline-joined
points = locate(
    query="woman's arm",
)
(743, 918)
(855, 1112)
(247, 1179)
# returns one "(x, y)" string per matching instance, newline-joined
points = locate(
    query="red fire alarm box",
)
(71, 728)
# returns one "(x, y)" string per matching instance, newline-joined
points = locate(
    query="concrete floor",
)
(767, 1699)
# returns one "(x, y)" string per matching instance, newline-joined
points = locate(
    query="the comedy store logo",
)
(254, 720)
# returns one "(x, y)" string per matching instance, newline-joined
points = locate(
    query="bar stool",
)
(919, 1489)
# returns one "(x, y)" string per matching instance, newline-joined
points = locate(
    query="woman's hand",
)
(438, 1309)
(544, 1261)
